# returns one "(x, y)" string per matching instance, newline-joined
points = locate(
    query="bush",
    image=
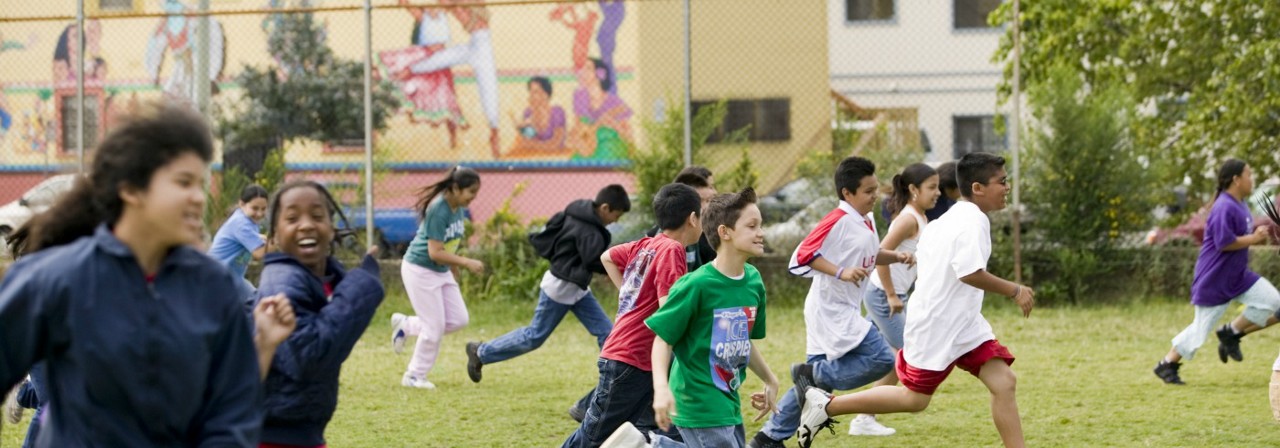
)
(513, 269)
(665, 158)
(1085, 185)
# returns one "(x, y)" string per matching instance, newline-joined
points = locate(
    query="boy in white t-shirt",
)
(844, 350)
(945, 327)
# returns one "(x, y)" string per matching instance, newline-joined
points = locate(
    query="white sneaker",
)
(397, 332)
(626, 436)
(866, 425)
(813, 416)
(420, 383)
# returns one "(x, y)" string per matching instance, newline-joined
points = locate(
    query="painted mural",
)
(548, 84)
(175, 37)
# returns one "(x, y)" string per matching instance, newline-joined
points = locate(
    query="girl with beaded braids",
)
(333, 306)
(429, 272)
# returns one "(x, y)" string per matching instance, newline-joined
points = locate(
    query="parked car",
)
(1191, 231)
(36, 200)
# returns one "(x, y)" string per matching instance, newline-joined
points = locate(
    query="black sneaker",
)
(1168, 372)
(802, 377)
(578, 414)
(763, 441)
(1229, 344)
(473, 361)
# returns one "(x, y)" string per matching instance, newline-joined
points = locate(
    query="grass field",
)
(1084, 380)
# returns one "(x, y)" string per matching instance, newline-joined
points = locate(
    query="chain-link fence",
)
(555, 96)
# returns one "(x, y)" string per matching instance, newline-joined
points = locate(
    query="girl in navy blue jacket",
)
(142, 339)
(333, 307)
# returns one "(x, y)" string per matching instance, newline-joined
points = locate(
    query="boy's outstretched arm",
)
(664, 404)
(1022, 295)
(847, 274)
(615, 274)
(767, 401)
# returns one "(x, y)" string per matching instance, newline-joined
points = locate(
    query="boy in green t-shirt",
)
(707, 323)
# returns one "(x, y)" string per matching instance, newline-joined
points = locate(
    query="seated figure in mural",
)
(541, 130)
(601, 131)
(176, 35)
(432, 94)
(65, 53)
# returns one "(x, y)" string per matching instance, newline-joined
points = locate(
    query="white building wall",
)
(918, 60)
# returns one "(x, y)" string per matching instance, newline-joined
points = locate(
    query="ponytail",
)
(914, 174)
(128, 157)
(458, 176)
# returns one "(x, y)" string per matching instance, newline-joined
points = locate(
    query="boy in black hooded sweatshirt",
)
(574, 240)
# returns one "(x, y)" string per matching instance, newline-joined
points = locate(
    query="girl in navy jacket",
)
(142, 339)
(333, 307)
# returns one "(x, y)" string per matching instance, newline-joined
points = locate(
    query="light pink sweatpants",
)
(440, 310)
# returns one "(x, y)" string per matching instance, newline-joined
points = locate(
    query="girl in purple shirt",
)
(1222, 276)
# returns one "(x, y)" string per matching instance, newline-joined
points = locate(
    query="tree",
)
(308, 93)
(1086, 190)
(1202, 78)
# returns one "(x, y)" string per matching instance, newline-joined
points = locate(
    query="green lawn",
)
(1085, 380)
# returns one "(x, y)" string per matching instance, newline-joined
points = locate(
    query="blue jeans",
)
(35, 389)
(714, 437)
(863, 365)
(546, 317)
(624, 394)
(877, 303)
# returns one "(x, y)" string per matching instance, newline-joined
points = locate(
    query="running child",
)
(240, 239)
(944, 327)
(915, 191)
(429, 272)
(573, 241)
(644, 271)
(695, 254)
(1222, 276)
(701, 253)
(950, 191)
(706, 326)
(333, 308)
(844, 351)
(142, 337)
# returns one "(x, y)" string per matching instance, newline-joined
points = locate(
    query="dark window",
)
(767, 120)
(971, 14)
(976, 133)
(115, 5)
(862, 10)
(70, 127)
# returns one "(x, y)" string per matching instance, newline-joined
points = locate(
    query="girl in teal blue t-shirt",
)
(428, 275)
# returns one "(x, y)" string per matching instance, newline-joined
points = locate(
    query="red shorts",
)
(926, 381)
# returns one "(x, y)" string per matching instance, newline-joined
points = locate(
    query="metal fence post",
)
(368, 123)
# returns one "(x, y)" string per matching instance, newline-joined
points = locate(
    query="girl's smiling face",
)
(304, 227)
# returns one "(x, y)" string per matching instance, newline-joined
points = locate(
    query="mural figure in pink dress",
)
(432, 94)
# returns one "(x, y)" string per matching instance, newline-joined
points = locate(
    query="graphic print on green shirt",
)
(710, 319)
(443, 224)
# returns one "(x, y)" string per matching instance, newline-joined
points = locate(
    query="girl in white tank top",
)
(914, 191)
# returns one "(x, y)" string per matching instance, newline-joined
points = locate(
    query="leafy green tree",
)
(1202, 77)
(307, 93)
(1086, 192)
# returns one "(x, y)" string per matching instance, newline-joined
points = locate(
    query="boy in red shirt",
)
(644, 271)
